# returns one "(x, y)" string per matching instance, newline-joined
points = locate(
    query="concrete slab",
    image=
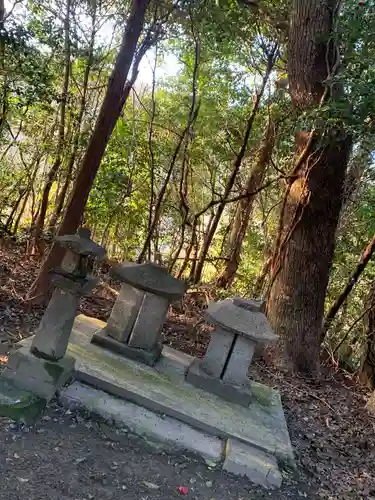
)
(171, 362)
(239, 361)
(160, 431)
(261, 468)
(249, 304)
(174, 363)
(150, 277)
(217, 352)
(52, 335)
(248, 323)
(124, 313)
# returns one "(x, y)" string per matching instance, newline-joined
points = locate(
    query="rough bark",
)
(314, 193)
(244, 208)
(111, 108)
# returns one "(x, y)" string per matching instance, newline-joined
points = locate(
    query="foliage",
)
(189, 122)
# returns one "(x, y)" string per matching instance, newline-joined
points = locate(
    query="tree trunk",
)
(367, 375)
(235, 168)
(72, 158)
(110, 111)
(9, 223)
(313, 198)
(39, 226)
(354, 277)
(259, 285)
(244, 207)
(367, 372)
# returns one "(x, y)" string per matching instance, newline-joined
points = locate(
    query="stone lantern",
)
(44, 367)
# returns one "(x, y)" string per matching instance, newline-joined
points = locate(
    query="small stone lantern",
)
(71, 282)
(238, 330)
(44, 368)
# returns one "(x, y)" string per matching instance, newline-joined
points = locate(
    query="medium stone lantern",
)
(134, 327)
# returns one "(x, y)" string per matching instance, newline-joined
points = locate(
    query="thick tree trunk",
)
(244, 208)
(110, 111)
(313, 198)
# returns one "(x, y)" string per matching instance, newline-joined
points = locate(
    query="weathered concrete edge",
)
(169, 433)
(159, 408)
(157, 430)
(243, 460)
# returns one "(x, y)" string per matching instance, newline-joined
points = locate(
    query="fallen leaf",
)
(152, 486)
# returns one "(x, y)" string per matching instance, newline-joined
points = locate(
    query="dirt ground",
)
(71, 457)
(68, 457)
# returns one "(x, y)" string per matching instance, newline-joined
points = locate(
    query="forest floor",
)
(62, 456)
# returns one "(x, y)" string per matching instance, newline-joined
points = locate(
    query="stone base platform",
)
(37, 375)
(235, 394)
(18, 404)
(255, 438)
(149, 357)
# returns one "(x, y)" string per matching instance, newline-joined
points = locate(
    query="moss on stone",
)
(263, 395)
(17, 404)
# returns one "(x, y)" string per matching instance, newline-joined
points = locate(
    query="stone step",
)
(155, 429)
(261, 468)
(166, 432)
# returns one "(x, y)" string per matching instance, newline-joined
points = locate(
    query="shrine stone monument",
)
(38, 371)
(238, 330)
(134, 327)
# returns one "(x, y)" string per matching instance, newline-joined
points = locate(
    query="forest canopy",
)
(209, 137)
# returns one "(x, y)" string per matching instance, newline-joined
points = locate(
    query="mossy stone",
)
(19, 405)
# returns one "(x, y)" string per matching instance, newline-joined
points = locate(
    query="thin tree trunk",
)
(9, 222)
(193, 239)
(192, 117)
(20, 213)
(5, 87)
(72, 158)
(151, 149)
(235, 169)
(39, 226)
(244, 207)
(111, 108)
(367, 373)
(314, 193)
(259, 284)
(353, 279)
